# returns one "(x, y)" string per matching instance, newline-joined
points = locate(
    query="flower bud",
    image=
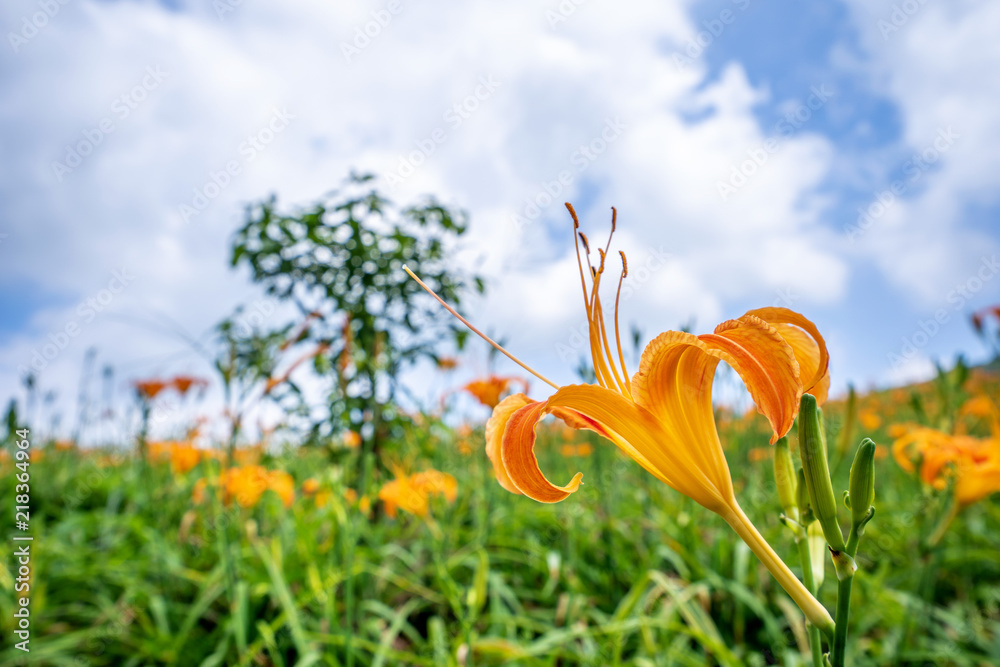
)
(817, 553)
(785, 479)
(812, 449)
(862, 484)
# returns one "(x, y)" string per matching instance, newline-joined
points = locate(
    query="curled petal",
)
(518, 456)
(807, 344)
(494, 435)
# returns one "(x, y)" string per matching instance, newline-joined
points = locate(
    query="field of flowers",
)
(282, 555)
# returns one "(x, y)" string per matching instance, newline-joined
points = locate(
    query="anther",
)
(624, 264)
(586, 245)
(572, 212)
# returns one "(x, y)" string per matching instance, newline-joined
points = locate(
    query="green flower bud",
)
(812, 449)
(862, 485)
(785, 479)
(817, 553)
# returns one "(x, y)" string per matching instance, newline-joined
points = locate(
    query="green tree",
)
(340, 261)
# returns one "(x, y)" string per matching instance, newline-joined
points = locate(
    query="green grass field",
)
(129, 571)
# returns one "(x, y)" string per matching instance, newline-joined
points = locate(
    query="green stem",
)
(943, 525)
(843, 614)
(815, 639)
(810, 606)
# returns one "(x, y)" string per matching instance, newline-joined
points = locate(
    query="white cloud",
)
(559, 86)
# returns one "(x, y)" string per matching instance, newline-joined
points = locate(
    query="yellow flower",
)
(352, 439)
(662, 416)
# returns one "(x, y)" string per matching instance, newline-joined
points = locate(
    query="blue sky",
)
(685, 94)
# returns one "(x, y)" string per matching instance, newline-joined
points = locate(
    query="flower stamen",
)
(479, 333)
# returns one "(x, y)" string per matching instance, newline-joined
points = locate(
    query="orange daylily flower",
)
(183, 383)
(447, 363)
(352, 439)
(247, 484)
(869, 419)
(662, 416)
(184, 457)
(974, 462)
(488, 390)
(148, 389)
(412, 492)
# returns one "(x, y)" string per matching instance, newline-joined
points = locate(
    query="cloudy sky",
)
(838, 158)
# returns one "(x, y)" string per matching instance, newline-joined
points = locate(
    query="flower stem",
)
(843, 614)
(943, 525)
(810, 606)
(815, 641)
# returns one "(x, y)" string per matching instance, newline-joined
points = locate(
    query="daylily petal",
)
(494, 435)
(807, 344)
(679, 392)
(685, 464)
(518, 456)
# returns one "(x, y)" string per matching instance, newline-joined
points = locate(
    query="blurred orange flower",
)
(974, 462)
(148, 389)
(447, 363)
(488, 390)
(246, 485)
(183, 383)
(412, 492)
(869, 419)
(352, 439)
(184, 457)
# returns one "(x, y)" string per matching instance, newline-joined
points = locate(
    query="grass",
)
(128, 571)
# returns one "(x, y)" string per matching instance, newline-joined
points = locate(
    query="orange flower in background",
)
(758, 454)
(869, 420)
(897, 431)
(973, 462)
(310, 486)
(183, 383)
(352, 439)
(65, 445)
(488, 390)
(662, 416)
(247, 484)
(184, 457)
(412, 492)
(447, 363)
(576, 450)
(149, 389)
